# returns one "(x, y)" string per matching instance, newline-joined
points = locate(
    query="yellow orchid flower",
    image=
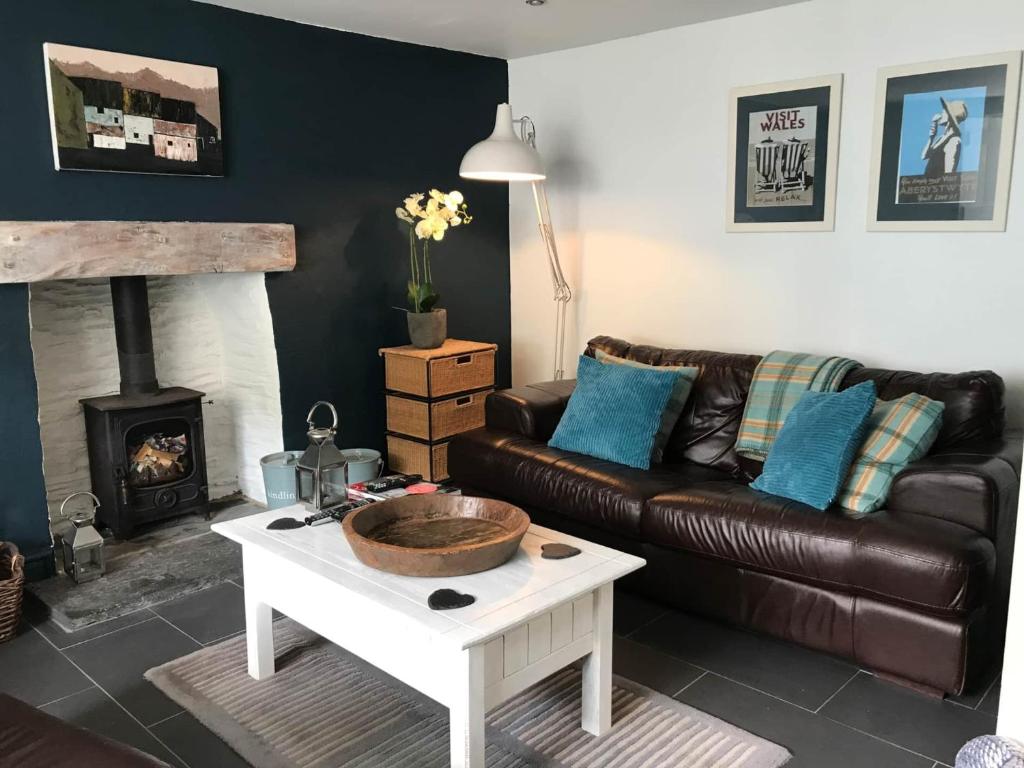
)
(439, 226)
(424, 229)
(412, 204)
(429, 215)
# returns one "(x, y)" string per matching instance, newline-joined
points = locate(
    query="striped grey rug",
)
(326, 708)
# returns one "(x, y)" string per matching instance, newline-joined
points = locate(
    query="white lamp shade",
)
(502, 156)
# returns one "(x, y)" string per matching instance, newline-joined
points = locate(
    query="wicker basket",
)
(414, 458)
(436, 420)
(458, 366)
(12, 578)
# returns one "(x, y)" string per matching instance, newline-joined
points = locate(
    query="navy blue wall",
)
(326, 130)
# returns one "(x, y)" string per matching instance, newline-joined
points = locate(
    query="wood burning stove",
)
(147, 455)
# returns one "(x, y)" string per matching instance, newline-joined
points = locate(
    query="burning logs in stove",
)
(159, 459)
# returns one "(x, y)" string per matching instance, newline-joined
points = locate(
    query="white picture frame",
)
(819, 216)
(955, 73)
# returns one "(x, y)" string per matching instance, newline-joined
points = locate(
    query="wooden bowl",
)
(436, 535)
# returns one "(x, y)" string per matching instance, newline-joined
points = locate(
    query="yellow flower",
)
(432, 226)
(424, 229)
(440, 212)
(412, 204)
(440, 226)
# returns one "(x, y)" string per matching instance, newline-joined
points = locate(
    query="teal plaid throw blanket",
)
(780, 380)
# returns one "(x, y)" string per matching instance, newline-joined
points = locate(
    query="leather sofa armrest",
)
(973, 483)
(532, 411)
(32, 738)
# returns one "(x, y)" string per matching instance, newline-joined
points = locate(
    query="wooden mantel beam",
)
(31, 251)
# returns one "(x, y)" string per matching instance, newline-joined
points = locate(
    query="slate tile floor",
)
(827, 712)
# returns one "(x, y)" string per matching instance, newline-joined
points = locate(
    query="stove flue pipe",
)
(134, 334)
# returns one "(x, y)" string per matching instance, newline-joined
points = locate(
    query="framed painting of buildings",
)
(943, 144)
(132, 114)
(783, 155)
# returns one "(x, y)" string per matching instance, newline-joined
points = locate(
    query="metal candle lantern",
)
(82, 544)
(321, 475)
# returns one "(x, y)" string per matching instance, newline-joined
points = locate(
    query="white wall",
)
(635, 132)
(210, 332)
(1011, 698)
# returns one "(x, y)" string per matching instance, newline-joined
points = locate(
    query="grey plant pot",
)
(428, 330)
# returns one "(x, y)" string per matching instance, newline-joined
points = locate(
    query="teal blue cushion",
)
(615, 412)
(814, 449)
(676, 401)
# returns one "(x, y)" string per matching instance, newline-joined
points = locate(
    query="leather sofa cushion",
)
(920, 561)
(974, 400)
(598, 492)
(706, 432)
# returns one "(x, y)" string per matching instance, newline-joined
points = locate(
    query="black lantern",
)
(321, 475)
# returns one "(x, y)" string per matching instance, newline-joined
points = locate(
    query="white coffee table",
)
(531, 618)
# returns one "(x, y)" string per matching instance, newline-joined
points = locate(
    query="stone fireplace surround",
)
(212, 331)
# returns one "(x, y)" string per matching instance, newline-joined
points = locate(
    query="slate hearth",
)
(164, 562)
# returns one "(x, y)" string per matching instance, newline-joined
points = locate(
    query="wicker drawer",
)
(449, 375)
(458, 366)
(436, 420)
(412, 458)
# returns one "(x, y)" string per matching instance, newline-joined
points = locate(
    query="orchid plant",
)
(428, 222)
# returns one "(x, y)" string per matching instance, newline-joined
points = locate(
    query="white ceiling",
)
(507, 29)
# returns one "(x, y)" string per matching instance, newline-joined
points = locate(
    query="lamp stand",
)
(563, 293)
(503, 157)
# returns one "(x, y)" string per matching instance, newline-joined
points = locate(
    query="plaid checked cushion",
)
(899, 431)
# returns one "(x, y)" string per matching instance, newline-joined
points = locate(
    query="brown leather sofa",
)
(31, 738)
(916, 592)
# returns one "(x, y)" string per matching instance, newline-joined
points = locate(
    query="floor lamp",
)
(505, 156)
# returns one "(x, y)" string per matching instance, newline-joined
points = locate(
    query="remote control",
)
(334, 513)
(392, 482)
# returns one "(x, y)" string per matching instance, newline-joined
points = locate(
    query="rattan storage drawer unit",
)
(433, 395)
(414, 458)
(436, 420)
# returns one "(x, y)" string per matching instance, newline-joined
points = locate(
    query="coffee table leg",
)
(597, 667)
(259, 624)
(467, 709)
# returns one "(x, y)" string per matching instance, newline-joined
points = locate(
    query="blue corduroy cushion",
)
(615, 412)
(813, 451)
